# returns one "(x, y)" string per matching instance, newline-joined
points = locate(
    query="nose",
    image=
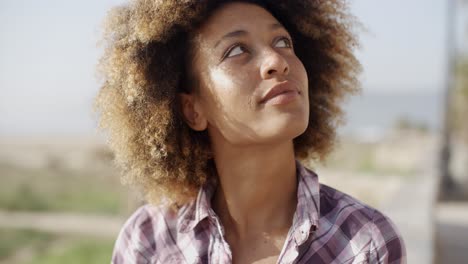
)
(273, 64)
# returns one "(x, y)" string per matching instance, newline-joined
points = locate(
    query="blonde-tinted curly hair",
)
(147, 63)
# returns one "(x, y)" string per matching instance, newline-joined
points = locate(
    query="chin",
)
(287, 128)
(288, 122)
(296, 130)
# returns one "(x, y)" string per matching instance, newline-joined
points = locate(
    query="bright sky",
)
(48, 55)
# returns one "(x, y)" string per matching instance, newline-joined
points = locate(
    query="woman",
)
(210, 105)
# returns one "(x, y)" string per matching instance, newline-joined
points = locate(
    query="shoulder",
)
(333, 202)
(387, 244)
(361, 223)
(137, 239)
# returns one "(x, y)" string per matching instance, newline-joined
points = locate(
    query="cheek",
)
(231, 88)
(221, 80)
(301, 73)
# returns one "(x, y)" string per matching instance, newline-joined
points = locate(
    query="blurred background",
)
(404, 149)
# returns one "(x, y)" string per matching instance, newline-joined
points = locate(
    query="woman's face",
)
(240, 54)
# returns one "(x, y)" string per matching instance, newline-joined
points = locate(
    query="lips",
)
(280, 88)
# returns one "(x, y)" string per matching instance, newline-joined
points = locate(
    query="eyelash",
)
(235, 45)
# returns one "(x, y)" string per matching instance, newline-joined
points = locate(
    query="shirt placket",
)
(297, 238)
(222, 250)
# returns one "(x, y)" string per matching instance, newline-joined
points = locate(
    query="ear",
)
(192, 112)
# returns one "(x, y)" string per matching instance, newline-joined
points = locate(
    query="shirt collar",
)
(305, 218)
(194, 212)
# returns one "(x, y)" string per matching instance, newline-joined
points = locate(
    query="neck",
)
(258, 188)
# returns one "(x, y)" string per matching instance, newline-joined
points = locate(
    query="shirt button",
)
(299, 237)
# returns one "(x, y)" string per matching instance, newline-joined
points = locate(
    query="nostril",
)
(271, 71)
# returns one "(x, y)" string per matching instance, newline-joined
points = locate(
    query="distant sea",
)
(369, 114)
(372, 113)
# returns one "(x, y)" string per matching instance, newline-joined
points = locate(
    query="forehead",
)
(234, 16)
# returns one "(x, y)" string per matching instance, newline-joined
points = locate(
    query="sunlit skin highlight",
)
(252, 141)
(173, 129)
(236, 75)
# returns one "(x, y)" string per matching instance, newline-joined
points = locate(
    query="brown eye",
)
(236, 50)
(284, 42)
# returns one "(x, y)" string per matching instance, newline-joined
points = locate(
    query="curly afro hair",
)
(146, 64)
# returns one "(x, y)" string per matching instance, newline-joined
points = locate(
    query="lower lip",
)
(283, 98)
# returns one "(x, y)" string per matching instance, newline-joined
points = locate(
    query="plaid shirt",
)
(328, 227)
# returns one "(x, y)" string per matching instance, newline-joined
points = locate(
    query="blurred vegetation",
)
(60, 184)
(404, 123)
(80, 251)
(59, 190)
(460, 100)
(370, 158)
(33, 247)
(13, 240)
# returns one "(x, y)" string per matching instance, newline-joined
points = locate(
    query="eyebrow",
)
(238, 33)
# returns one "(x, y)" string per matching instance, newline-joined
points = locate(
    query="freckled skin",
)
(232, 85)
(234, 76)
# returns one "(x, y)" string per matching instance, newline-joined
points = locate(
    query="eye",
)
(234, 51)
(284, 42)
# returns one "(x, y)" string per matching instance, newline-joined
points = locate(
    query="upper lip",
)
(279, 88)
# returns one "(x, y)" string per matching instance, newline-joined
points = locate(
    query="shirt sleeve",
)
(387, 245)
(133, 244)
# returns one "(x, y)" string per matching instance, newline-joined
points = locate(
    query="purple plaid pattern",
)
(328, 227)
